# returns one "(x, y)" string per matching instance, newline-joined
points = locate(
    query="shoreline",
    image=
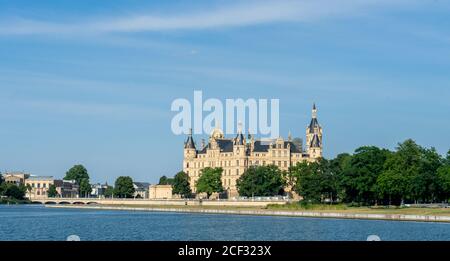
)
(275, 213)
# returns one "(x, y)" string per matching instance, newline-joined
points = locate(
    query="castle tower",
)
(190, 152)
(314, 136)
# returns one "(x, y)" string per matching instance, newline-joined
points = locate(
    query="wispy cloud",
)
(242, 14)
(109, 111)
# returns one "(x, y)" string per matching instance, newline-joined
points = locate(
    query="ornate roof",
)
(313, 124)
(315, 142)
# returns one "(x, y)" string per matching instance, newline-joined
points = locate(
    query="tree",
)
(123, 188)
(85, 188)
(261, 181)
(358, 176)
(165, 181)
(426, 183)
(315, 181)
(181, 185)
(109, 192)
(52, 193)
(81, 177)
(210, 181)
(402, 171)
(14, 191)
(443, 176)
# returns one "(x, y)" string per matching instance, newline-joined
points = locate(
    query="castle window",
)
(279, 146)
(285, 164)
(264, 163)
(279, 163)
(237, 162)
(237, 171)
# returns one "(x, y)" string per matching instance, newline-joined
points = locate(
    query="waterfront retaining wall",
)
(397, 217)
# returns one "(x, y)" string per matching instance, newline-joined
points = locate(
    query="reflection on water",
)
(29, 222)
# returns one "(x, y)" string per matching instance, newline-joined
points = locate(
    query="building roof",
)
(189, 144)
(225, 145)
(239, 140)
(40, 178)
(313, 124)
(259, 146)
(160, 186)
(141, 185)
(315, 142)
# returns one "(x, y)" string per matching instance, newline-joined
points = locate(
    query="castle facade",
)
(235, 155)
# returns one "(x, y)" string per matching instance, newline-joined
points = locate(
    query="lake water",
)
(32, 222)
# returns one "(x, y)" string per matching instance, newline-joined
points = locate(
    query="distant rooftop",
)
(40, 178)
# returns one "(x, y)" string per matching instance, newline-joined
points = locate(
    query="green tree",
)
(401, 171)
(164, 180)
(52, 193)
(315, 181)
(80, 174)
(15, 192)
(85, 188)
(123, 188)
(210, 181)
(109, 192)
(359, 176)
(443, 176)
(2, 188)
(261, 181)
(181, 185)
(425, 185)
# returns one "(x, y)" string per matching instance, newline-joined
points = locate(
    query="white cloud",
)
(245, 14)
(112, 111)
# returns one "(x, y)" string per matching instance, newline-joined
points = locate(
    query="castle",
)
(235, 155)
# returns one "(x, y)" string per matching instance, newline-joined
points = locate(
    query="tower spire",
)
(314, 111)
(189, 144)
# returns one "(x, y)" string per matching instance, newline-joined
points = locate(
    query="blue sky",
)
(92, 82)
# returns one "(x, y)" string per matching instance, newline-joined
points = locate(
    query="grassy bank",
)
(342, 208)
(322, 208)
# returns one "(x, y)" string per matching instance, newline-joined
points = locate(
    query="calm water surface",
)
(29, 222)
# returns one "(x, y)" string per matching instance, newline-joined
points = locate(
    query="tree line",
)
(369, 176)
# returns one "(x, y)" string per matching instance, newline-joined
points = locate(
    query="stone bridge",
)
(67, 201)
(156, 202)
